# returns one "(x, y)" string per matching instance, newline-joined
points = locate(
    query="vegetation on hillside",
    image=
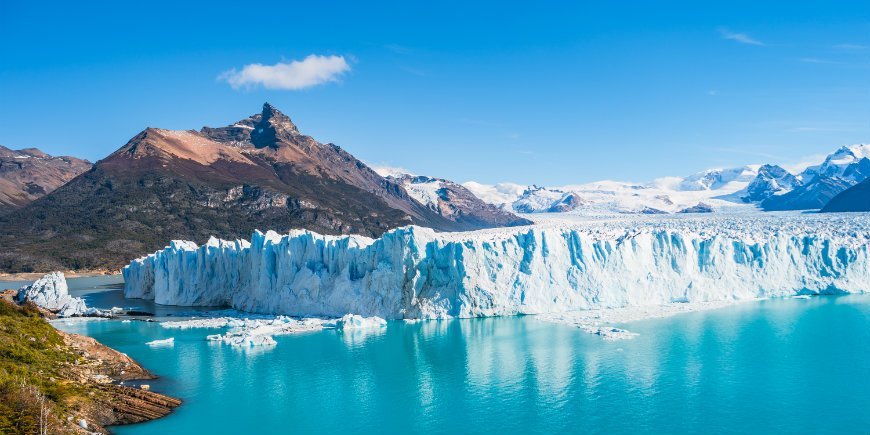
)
(34, 394)
(51, 380)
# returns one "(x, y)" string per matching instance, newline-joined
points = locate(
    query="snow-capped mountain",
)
(771, 180)
(454, 202)
(717, 179)
(713, 188)
(543, 200)
(817, 184)
(849, 163)
(770, 187)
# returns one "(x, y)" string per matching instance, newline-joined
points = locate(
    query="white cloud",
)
(298, 74)
(739, 37)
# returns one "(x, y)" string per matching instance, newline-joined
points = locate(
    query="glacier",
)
(550, 267)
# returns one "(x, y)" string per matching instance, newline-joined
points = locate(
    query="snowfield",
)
(560, 264)
(719, 188)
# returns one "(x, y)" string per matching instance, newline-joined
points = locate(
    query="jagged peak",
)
(275, 117)
(857, 151)
(272, 126)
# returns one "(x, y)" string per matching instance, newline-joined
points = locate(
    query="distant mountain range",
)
(700, 192)
(817, 184)
(768, 187)
(258, 173)
(29, 173)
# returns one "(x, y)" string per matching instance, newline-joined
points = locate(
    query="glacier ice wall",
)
(413, 272)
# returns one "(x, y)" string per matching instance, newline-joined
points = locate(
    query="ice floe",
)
(167, 342)
(354, 321)
(244, 332)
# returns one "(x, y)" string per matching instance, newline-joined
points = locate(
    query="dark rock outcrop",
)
(697, 208)
(813, 195)
(853, 199)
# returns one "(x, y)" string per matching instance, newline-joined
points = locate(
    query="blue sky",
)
(487, 91)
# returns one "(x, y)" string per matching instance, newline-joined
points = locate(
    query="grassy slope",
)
(32, 361)
(50, 379)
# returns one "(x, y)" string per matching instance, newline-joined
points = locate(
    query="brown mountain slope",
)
(29, 173)
(259, 173)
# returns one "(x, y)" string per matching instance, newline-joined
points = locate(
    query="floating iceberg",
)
(213, 322)
(168, 342)
(414, 272)
(610, 333)
(249, 332)
(354, 321)
(51, 293)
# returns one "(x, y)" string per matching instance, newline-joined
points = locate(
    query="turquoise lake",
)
(776, 366)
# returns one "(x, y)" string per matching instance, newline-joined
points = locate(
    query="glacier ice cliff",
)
(414, 272)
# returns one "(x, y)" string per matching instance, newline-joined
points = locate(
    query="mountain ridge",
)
(258, 173)
(28, 174)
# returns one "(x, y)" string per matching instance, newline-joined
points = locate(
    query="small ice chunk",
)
(610, 333)
(354, 321)
(168, 342)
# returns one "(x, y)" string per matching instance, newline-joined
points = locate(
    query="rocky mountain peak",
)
(272, 127)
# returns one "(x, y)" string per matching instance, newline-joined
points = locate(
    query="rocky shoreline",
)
(32, 276)
(53, 381)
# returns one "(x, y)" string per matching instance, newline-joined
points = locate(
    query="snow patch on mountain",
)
(426, 190)
(500, 194)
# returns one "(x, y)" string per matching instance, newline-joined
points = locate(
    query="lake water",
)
(795, 366)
